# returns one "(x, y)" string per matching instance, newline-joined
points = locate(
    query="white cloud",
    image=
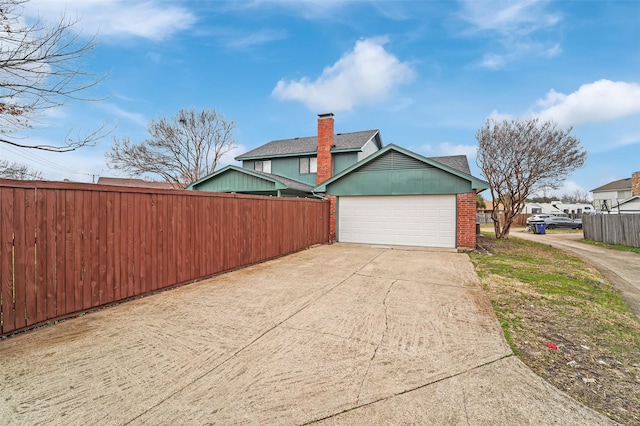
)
(516, 24)
(80, 166)
(150, 19)
(244, 41)
(307, 9)
(602, 100)
(629, 140)
(508, 16)
(552, 51)
(551, 98)
(134, 117)
(569, 187)
(228, 158)
(493, 61)
(365, 75)
(499, 117)
(449, 149)
(515, 50)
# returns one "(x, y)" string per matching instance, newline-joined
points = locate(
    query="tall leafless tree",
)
(12, 170)
(181, 151)
(520, 157)
(578, 196)
(39, 70)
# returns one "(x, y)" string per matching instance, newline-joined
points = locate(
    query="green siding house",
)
(297, 158)
(380, 195)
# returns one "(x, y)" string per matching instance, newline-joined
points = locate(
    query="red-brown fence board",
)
(107, 284)
(61, 220)
(50, 253)
(6, 257)
(30, 221)
(67, 247)
(19, 256)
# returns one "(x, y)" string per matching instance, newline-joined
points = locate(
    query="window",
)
(308, 165)
(262, 166)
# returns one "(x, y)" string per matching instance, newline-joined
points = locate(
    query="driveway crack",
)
(322, 333)
(413, 389)
(375, 351)
(323, 292)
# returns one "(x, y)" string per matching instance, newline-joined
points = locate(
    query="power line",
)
(35, 158)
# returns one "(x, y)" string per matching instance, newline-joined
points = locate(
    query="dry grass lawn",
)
(565, 322)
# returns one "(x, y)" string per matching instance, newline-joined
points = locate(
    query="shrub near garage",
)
(543, 296)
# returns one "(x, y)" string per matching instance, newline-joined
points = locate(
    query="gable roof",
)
(616, 185)
(344, 142)
(458, 162)
(279, 182)
(439, 162)
(288, 183)
(137, 183)
(625, 201)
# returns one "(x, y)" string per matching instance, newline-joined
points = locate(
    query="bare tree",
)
(181, 151)
(578, 196)
(39, 70)
(519, 158)
(19, 171)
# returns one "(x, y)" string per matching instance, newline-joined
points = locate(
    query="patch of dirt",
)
(606, 381)
(576, 349)
(483, 245)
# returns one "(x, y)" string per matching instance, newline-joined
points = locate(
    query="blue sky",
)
(426, 73)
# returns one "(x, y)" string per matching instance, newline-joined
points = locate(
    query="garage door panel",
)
(420, 220)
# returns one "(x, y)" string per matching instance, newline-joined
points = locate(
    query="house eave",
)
(297, 154)
(277, 185)
(477, 185)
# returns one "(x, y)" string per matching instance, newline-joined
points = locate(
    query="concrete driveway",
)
(340, 334)
(622, 268)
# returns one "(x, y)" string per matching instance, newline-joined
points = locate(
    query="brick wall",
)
(325, 142)
(466, 221)
(332, 218)
(635, 183)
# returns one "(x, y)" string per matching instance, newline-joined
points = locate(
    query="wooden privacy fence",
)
(518, 220)
(621, 229)
(68, 247)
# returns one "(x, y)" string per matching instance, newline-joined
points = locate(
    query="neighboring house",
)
(558, 208)
(488, 208)
(630, 205)
(378, 195)
(606, 197)
(136, 183)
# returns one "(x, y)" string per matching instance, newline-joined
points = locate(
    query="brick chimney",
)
(325, 143)
(635, 183)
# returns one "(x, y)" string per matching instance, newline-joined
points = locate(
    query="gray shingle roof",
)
(353, 141)
(616, 185)
(458, 162)
(291, 184)
(137, 183)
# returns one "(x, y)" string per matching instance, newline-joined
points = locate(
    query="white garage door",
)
(411, 220)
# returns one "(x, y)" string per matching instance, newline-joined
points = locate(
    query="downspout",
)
(322, 197)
